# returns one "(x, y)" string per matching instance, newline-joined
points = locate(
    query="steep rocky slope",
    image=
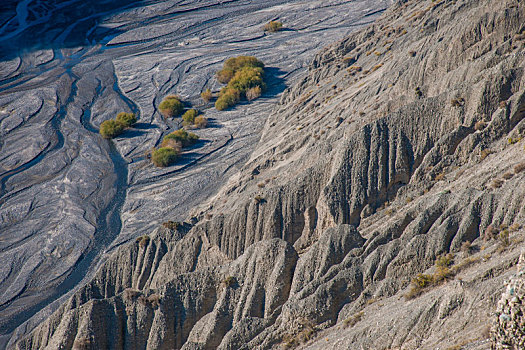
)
(401, 144)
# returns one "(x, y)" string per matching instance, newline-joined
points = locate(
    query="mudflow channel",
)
(69, 197)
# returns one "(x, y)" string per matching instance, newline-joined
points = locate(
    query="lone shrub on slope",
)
(273, 26)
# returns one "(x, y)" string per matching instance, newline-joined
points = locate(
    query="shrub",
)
(185, 138)
(189, 117)
(480, 125)
(302, 335)
(236, 63)
(228, 97)
(418, 91)
(201, 122)
(508, 175)
(504, 238)
(171, 106)
(352, 320)
(273, 26)
(457, 102)
(246, 78)
(171, 225)
(154, 300)
(496, 183)
(126, 119)
(440, 176)
(444, 260)
(485, 153)
(253, 93)
(143, 241)
(111, 128)
(466, 247)
(130, 294)
(164, 156)
(490, 233)
(171, 143)
(230, 281)
(422, 280)
(354, 69)
(225, 75)
(518, 168)
(206, 95)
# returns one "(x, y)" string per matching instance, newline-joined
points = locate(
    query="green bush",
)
(189, 117)
(111, 128)
(182, 136)
(171, 106)
(126, 119)
(164, 156)
(273, 26)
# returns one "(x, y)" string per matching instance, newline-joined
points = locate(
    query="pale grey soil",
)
(66, 195)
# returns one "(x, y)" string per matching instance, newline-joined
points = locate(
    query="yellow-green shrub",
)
(111, 128)
(227, 98)
(189, 117)
(201, 122)
(273, 26)
(182, 136)
(126, 119)
(171, 106)
(206, 95)
(164, 156)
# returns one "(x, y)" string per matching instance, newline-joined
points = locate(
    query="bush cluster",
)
(244, 76)
(114, 127)
(171, 106)
(444, 270)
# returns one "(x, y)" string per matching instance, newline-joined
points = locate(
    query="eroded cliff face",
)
(402, 143)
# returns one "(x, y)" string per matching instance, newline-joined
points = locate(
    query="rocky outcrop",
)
(508, 330)
(402, 144)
